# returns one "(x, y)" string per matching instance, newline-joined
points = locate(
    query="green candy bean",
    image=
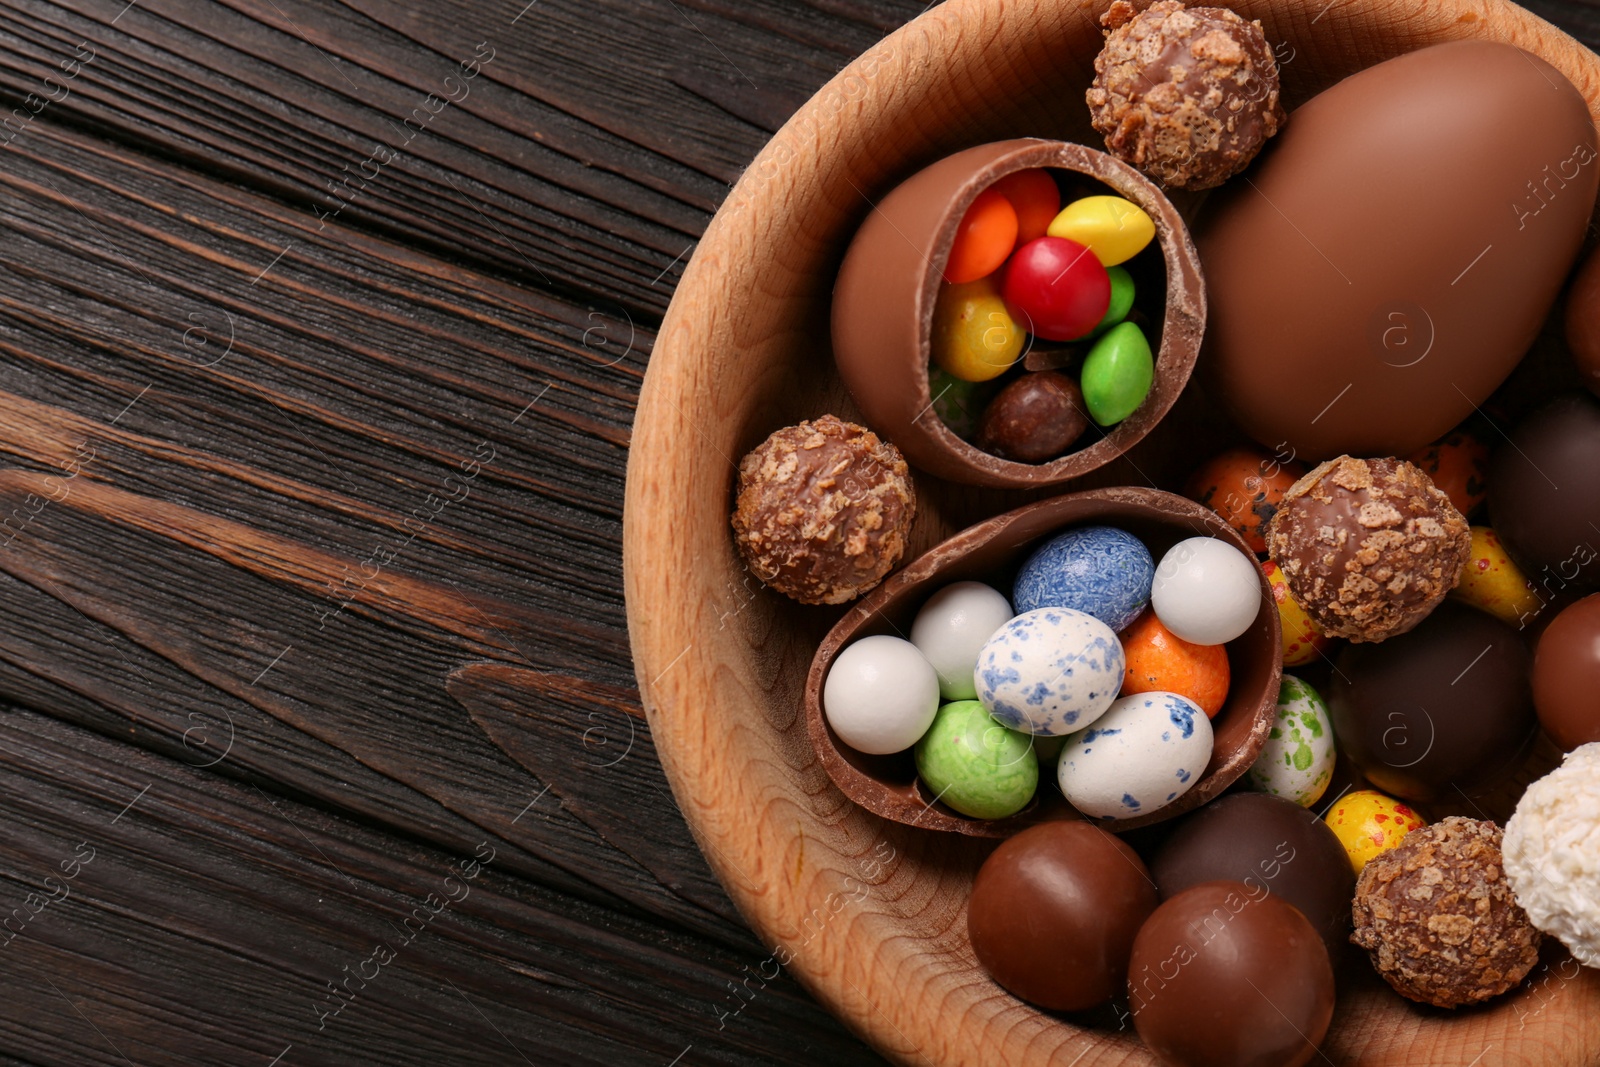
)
(958, 403)
(1117, 374)
(1121, 300)
(975, 765)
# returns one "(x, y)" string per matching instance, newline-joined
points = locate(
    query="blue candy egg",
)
(1141, 755)
(1050, 672)
(1099, 570)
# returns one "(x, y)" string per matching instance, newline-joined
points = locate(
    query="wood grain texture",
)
(742, 351)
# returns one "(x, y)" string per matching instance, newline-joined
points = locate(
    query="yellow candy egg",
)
(1492, 583)
(1302, 642)
(974, 337)
(1112, 228)
(1368, 823)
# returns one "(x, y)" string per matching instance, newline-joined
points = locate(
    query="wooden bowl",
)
(868, 913)
(991, 552)
(889, 283)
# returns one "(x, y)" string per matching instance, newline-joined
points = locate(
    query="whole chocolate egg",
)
(1566, 675)
(1544, 496)
(1442, 710)
(1265, 842)
(1583, 321)
(1393, 252)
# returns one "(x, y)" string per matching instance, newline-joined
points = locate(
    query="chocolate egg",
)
(1566, 675)
(1444, 709)
(1544, 496)
(1393, 252)
(1583, 321)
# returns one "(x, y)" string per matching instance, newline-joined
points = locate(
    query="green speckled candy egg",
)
(1297, 761)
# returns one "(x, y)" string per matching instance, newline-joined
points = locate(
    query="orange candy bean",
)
(1161, 662)
(986, 236)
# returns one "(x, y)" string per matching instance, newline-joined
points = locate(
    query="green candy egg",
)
(958, 403)
(975, 765)
(1121, 300)
(1297, 760)
(1117, 374)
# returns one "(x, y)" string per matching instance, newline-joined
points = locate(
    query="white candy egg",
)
(951, 630)
(1145, 752)
(1050, 671)
(1297, 760)
(881, 695)
(1206, 591)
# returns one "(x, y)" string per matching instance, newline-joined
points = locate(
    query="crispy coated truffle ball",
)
(1187, 95)
(1368, 547)
(823, 510)
(1437, 916)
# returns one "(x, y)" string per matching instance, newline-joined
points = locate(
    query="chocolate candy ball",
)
(1566, 675)
(1544, 496)
(1446, 707)
(1227, 975)
(1035, 418)
(1267, 843)
(1054, 912)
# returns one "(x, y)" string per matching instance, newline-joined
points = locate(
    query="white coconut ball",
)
(1552, 853)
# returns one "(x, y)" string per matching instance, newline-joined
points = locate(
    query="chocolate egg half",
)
(1393, 252)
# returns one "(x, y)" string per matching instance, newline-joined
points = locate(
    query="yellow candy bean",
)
(974, 337)
(1492, 583)
(1112, 228)
(1368, 823)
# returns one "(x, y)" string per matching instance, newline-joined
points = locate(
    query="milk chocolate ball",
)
(1035, 418)
(1265, 842)
(1054, 912)
(1566, 675)
(1544, 496)
(1443, 710)
(1226, 975)
(1368, 547)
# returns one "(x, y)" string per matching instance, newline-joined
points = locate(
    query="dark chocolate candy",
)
(1226, 975)
(1035, 418)
(1443, 710)
(1267, 842)
(1054, 912)
(1393, 252)
(1566, 675)
(1583, 321)
(1544, 496)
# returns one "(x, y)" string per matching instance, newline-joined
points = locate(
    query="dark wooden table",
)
(320, 332)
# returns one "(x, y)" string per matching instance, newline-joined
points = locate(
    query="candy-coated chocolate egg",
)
(1566, 675)
(1145, 752)
(1100, 570)
(1122, 294)
(985, 237)
(951, 629)
(1161, 661)
(1368, 823)
(1036, 199)
(1458, 464)
(1492, 583)
(1244, 486)
(1050, 671)
(1117, 374)
(1302, 642)
(1034, 418)
(1114, 228)
(881, 695)
(975, 765)
(974, 336)
(1056, 289)
(1054, 912)
(1206, 591)
(1297, 761)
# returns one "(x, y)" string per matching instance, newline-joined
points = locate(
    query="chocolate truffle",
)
(1437, 916)
(823, 510)
(1368, 547)
(1226, 975)
(1035, 418)
(1550, 854)
(1566, 675)
(1265, 842)
(1444, 708)
(1187, 95)
(1054, 912)
(1544, 496)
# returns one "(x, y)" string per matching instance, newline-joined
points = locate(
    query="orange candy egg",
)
(1458, 463)
(1161, 662)
(1244, 486)
(1302, 642)
(986, 236)
(1037, 201)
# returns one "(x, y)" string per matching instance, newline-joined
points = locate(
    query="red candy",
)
(1056, 289)
(986, 236)
(1037, 201)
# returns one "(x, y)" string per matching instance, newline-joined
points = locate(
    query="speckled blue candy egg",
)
(1100, 570)
(1145, 752)
(1050, 671)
